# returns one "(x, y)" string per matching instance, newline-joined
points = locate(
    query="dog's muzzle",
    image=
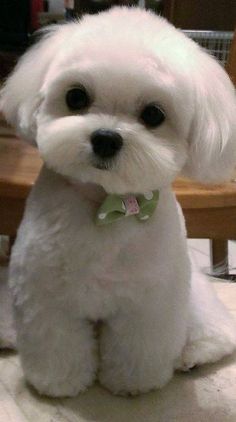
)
(106, 143)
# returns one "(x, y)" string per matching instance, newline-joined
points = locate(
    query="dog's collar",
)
(112, 207)
(116, 207)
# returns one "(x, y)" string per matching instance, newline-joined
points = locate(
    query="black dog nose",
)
(106, 143)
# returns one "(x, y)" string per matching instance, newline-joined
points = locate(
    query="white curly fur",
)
(66, 273)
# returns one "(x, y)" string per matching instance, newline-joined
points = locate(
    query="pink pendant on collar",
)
(131, 205)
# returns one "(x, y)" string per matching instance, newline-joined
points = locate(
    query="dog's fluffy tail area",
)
(211, 327)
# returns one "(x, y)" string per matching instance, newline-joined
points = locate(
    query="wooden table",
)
(210, 211)
(19, 167)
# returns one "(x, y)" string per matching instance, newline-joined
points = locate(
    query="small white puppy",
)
(118, 103)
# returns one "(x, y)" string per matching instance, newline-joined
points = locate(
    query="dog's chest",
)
(125, 251)
(110, 253)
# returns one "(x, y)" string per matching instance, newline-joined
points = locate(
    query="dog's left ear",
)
(212, 137)
(20, 95)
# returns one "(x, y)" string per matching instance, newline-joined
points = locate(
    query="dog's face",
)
(125, 109)
(115, 120)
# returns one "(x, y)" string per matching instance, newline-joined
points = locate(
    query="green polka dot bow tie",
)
(116, 207)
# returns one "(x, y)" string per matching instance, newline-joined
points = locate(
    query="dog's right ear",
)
(20, 95)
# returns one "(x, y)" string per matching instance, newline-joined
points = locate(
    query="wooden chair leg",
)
(4, 260)
(219, 259)
(11, 242)
(219, 256)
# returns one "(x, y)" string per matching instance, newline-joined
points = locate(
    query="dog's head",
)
(124, 100)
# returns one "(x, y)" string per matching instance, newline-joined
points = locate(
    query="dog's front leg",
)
(138, 349)
(58, 354)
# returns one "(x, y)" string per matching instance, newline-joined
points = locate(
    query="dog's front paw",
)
(61, 378)
(133, 382)
(123, 387)
(69, 387)
(62, 364)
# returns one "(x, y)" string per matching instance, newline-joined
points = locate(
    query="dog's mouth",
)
(103, 164)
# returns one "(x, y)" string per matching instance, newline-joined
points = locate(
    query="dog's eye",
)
(152, 115)
(77, 98)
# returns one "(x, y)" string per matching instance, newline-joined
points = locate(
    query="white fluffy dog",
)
(118, 104)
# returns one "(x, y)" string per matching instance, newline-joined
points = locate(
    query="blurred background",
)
(209, 22)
